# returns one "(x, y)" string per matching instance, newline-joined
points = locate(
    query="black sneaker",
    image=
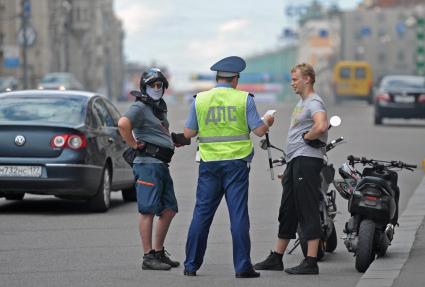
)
(248, 274)
(305, 267)
(272, 262)
(152, 262)
(163, 255)
(189, 273)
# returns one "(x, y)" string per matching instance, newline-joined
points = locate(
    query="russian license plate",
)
(20, 171)
(404, 99)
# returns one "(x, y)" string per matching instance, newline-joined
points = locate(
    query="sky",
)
(188, 36)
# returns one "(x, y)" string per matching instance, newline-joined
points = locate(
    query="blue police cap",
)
(229, 66)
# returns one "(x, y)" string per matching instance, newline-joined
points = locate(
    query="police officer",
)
(145, 128)
(223, 118)
(307, 136)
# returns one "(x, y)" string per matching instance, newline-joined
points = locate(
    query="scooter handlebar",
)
(338, 140)
(333, 143)
(411, 165)
(281, 161)
(398, 164)
(401, 164)
(353, 158)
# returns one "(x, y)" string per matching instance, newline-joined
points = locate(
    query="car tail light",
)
(383, 97)
(421, 98)
(59, 141)
(72, 141)
(76, 141)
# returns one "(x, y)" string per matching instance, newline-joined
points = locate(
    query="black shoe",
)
(163, 256)
(248, 274)
(189, 273)
(272, 262)
(305, 267)
(152, 262)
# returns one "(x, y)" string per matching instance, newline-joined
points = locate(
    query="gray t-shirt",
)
(148, 128)
(301, 121)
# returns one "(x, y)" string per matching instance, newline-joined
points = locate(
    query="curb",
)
(383, 271)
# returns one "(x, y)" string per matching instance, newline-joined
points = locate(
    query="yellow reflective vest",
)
(223, 129)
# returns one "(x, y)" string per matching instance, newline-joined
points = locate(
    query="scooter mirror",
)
(335, 121)
(263, 144)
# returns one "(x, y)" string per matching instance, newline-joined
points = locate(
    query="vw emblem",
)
(20, 140)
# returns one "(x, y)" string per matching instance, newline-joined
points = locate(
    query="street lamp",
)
(420, 50)
(25, 14)
(67, 7)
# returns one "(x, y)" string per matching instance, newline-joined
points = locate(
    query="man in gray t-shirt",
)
(301, 122)
(301, 181)
(145, 127)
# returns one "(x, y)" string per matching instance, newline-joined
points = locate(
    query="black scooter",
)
(373, 204)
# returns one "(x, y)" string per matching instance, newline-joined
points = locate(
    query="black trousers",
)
(300, 198)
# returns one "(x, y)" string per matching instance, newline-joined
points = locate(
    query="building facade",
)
(382, 36)
(77, 36)
(388, 3)
(270, 74)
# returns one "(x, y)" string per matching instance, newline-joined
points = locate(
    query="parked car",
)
(60, 81)
(352, 80)
(400, 96)
(62, 143)
(8, 83)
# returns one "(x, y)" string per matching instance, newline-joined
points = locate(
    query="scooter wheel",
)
(332, 241)
(365, 253)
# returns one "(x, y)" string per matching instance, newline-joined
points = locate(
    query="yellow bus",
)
(352, 80)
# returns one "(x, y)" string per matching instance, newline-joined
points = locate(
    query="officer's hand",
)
(179, 139)
(269, 120)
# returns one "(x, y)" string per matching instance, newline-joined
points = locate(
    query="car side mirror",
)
(335, 121)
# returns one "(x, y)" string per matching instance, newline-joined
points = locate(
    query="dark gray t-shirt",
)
(301, 121)
(148, 128)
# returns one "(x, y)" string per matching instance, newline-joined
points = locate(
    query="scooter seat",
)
(375, 181)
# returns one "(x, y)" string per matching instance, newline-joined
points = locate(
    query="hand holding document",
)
(268, 117)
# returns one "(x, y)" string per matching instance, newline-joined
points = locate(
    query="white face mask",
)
(155, 94)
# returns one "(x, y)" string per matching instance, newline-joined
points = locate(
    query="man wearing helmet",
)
(144, 127)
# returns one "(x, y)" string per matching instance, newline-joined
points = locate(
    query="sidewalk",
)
(413, 272)
(404, 262)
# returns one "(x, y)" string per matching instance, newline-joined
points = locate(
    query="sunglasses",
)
(156, 85)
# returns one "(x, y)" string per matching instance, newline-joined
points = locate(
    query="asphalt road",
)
(45, 241)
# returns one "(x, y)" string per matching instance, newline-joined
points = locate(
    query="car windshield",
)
(43, 109)
(404, 83)
(5, 83)
(54, 79)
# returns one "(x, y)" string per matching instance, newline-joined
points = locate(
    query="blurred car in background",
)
(352, 80)
(8, 83)
(400, 96)
(62, 143)
(60, 81)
